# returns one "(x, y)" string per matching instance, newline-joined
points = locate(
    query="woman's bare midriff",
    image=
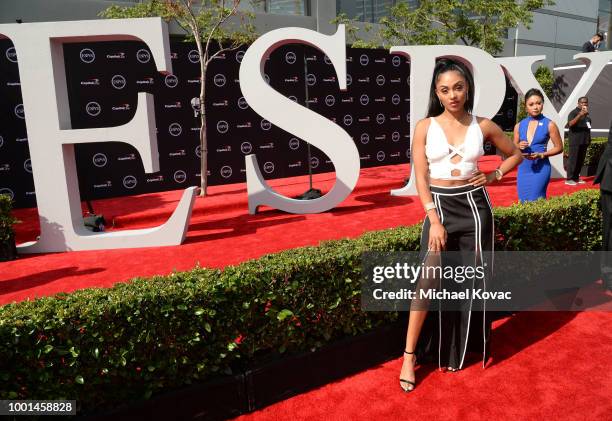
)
(448, 183)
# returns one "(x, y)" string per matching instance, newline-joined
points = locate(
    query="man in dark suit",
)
(593, 44)
(603, 177)
(579, 137)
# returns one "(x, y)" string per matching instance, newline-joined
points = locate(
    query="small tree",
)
(204, 22)
(477, 23)
(352, 32)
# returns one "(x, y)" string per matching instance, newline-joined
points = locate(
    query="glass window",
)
(368, 10)
(286, 7)
(604, 22)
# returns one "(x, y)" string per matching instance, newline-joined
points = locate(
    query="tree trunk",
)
(203, 139)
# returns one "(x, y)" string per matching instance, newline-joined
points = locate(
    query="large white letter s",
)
(298, 120)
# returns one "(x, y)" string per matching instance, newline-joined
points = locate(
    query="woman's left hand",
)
(481, 179)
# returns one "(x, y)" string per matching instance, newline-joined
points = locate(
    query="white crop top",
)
(439, 152)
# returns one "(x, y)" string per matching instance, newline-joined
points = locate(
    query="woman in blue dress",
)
(531, 135)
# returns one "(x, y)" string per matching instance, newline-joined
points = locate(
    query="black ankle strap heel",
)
(408, 382)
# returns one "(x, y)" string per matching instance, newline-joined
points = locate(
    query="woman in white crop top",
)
(446, 147)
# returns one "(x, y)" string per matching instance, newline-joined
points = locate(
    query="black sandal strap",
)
(408, 381)
(408, 353)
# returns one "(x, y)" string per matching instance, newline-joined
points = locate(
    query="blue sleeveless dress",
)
(534, 175)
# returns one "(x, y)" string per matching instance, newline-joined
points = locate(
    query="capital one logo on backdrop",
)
(52, 140)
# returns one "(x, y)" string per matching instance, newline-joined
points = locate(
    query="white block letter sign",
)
(298, 120)
(51, 140)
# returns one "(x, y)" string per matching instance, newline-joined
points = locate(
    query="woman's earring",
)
(440, 102)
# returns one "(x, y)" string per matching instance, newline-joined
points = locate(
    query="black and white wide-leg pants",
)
(458, 327)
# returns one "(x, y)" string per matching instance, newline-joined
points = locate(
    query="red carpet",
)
(545, 366)
(552, 365)
(221, 231)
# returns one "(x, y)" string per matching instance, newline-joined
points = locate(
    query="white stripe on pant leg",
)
(439, 208)
(484, 312)
(477, 236)
(479, 245)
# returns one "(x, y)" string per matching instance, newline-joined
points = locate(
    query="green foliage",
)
(106, 347)
(569, 222)
(6, 219)
(594, 151)
(546, 79)
(185, 14)
(352, 32)
(478, 23)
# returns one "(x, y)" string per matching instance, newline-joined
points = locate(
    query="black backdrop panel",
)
(104, 79)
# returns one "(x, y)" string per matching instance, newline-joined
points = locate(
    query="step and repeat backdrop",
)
(105, 77)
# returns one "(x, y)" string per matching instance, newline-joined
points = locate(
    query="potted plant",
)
(8, 249)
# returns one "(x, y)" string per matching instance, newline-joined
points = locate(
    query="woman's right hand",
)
(523, 144)
(437, 237)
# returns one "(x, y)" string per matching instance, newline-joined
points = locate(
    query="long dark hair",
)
(446, 65)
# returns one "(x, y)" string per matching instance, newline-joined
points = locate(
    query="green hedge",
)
(108, 346)
(594, 151)
(6, 220)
